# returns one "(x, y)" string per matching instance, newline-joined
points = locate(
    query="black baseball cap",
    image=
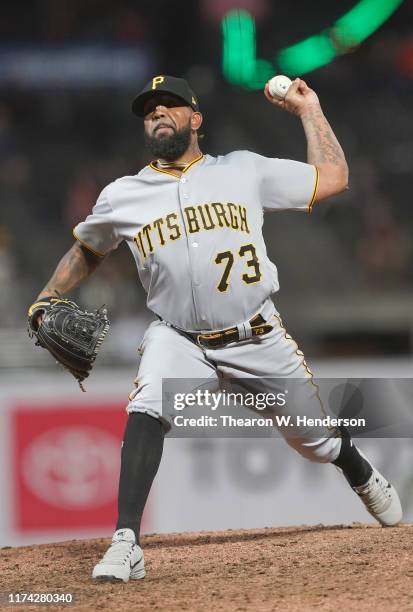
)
(168, 84)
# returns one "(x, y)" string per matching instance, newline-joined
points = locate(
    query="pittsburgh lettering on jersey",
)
(203, 217)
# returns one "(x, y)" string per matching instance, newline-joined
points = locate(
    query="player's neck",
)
(181, 163)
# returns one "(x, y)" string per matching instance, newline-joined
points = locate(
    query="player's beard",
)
(169, 146)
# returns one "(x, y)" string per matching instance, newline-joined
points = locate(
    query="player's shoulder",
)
(123, 184)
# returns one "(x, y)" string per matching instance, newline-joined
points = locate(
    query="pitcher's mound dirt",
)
(346, 568)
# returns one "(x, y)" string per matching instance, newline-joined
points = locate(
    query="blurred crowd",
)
(59, 148)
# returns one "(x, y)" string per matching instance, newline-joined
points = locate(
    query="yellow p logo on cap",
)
(157, 81)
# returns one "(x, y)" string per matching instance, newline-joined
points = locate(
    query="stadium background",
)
(68, 72)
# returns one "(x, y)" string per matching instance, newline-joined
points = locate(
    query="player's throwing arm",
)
(323, 149)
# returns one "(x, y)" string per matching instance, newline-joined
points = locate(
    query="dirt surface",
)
(354, 567)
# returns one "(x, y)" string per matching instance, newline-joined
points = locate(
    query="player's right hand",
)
(298, 100)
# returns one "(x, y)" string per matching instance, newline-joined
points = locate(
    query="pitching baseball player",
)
(193, 223)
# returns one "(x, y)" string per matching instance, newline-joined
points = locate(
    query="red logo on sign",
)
(67, 466)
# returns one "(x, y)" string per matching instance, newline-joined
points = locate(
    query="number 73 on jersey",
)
(227, 258)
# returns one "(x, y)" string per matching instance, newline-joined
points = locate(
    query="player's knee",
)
(323, 450)
(134, 409)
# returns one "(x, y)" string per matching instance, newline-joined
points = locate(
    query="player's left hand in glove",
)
(73, 336)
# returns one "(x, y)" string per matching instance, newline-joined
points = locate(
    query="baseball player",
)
(194, 225)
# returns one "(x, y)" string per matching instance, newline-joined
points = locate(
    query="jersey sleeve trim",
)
(313, 197)
(89, 248)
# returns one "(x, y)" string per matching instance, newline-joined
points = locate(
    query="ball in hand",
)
(278, 86)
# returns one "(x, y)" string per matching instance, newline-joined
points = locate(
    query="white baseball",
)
(279, 85)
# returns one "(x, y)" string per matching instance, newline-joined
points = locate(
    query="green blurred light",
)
(306, 55)
(238, 28)
(362, 20)
(241, 66)
(263, 71)
(239, 63)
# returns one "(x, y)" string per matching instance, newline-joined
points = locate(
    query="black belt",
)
(220, 338)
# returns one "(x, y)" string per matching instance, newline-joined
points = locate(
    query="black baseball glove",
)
(70, 334)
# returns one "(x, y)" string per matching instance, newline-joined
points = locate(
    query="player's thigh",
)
(279, 354)
(273, 365)
(166, 354)
(284, 373)
(273, 370)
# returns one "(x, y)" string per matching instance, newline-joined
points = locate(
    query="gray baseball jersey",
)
(197, 239)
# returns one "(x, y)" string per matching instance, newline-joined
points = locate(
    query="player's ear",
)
(196, 120)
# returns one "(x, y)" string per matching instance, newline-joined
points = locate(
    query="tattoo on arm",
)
(322, 145)
(76, 265)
